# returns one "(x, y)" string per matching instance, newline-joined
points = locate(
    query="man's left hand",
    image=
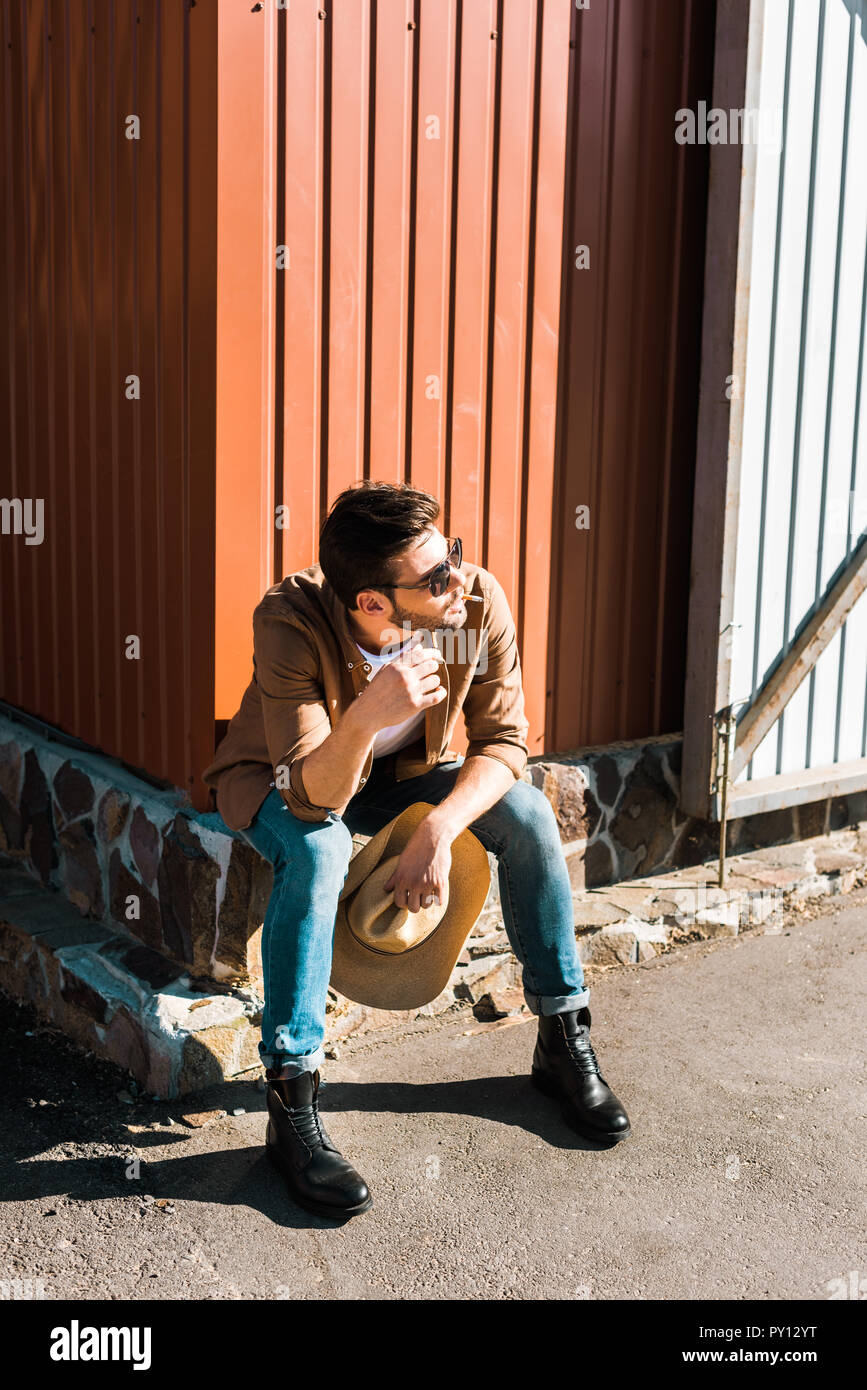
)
(422, 873)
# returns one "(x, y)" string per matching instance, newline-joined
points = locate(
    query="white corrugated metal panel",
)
(803, 492)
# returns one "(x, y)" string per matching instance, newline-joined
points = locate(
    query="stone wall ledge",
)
(143, 862)
(118, 998)
(179, 1034)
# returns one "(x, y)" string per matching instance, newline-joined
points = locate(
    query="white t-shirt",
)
(394, 736)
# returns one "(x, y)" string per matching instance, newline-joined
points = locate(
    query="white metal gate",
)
(776, 696)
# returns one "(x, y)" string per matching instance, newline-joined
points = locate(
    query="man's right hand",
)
(406, 685)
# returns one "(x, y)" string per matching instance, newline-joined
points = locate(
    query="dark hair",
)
(368, 526)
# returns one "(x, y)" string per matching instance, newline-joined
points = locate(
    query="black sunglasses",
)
(440, 576)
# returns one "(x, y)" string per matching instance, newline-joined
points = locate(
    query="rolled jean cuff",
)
(556, 1003)
(293, 1066)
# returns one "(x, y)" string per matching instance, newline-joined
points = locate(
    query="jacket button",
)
(362, 781)
(350, 664)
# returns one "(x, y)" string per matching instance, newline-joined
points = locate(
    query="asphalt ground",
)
(741, 1063)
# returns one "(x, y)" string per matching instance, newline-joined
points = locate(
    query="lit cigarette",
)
(472, 598)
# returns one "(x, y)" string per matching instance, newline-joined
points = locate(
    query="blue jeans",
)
(311, 860)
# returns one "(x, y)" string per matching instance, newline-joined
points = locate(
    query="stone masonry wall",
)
(619, 819)
(133, 923)
(130, 856)
(144, 863)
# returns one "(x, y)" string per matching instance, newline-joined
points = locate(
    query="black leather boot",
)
(565, 1066)
(319, 1178)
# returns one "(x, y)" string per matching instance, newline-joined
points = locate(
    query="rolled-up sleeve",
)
(496, 724)
(294, 711)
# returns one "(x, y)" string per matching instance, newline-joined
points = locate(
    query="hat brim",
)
(409, 979)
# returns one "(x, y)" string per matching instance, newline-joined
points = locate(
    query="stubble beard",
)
(430, 623)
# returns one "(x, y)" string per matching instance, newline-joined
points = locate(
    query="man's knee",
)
(316, 849)
(529, 808)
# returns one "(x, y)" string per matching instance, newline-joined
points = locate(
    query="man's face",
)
(418, 608)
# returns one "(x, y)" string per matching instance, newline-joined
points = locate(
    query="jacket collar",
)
(336, 611)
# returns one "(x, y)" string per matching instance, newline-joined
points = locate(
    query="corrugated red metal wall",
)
(108, 271)
(434, 160)
(630, 352)
(421, 148)
(337, 251)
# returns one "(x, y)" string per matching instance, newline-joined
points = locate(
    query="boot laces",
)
(582, 1054)
(307, 1123)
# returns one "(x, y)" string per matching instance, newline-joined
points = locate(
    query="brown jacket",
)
(307, 668)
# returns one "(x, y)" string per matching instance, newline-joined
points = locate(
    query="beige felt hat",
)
(386, 956)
